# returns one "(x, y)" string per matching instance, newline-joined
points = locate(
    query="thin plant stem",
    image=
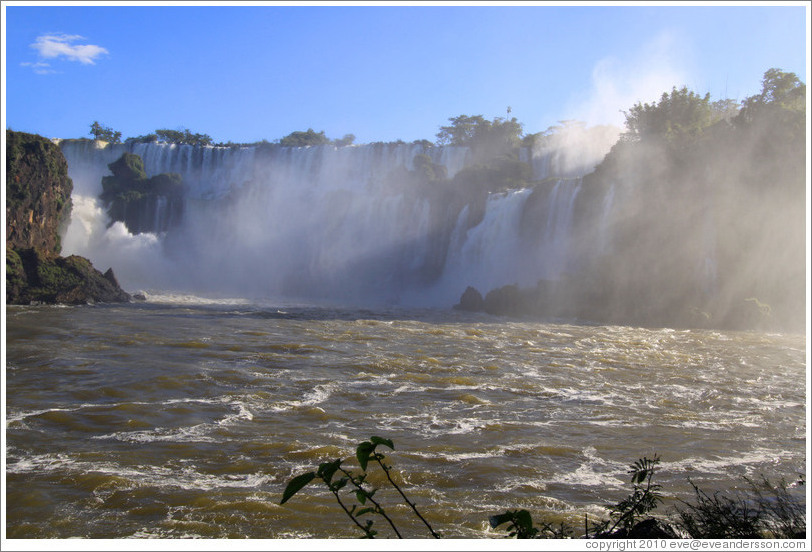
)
(409, 502)
(380, 509)
(352, 517)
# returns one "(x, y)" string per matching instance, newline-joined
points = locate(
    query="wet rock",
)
(506, 300)
(471, 300)
(38, 191)
(45, 279)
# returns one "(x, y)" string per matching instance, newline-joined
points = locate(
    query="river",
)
(186, 417)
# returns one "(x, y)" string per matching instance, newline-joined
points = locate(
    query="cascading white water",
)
(321, 223)
(506, 248)
(489, 254)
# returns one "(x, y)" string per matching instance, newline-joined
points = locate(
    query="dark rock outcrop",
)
(506, 300)
(471, 300)
(142, 204)
(39, 278)
(38, 204)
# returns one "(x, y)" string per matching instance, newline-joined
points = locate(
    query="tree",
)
(487, 139)
(183, 136)
(347, 140)
(678, 114)
(299, 139)
(782, 97)
(462, 131)
(725, 109)
(784, 89)
(145, 139)
(107, 134)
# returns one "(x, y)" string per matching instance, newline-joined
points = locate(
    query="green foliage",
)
(128, 167)
(358, 490)
(183, 136)
(16, 280)
(165, 184)
(299, 139)
(779, 89)
(107, 134)
(347, 140)
(520, 526)
(520, 523)
(677, 115)
(752, 161)
(487, 139)
(128, 176)
(428, 171)
(724, 110)
(502, 174)
(779, 111)
(644, 498)
(129, 187)
(462, 131)
(51, 275)
(767, 511)
(143, 139)
(297, 484)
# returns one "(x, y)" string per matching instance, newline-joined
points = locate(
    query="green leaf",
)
(363, 511)
(362, 453)
(361, 496)
(382, 441)
(328, 469)
(296, 485)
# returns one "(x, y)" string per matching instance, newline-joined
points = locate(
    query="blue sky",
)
(380, 72)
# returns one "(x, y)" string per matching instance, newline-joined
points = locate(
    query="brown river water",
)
(182, 417)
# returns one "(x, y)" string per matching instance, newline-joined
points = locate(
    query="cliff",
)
(37, 209)
(37, 192)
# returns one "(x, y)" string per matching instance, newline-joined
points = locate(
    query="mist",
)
(636, 226)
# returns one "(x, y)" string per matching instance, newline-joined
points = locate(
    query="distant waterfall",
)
(324, 223)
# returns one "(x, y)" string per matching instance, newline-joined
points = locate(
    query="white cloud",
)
(57, 45)
(40, 67)
(618, 84)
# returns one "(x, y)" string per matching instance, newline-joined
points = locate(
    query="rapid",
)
(186, 417)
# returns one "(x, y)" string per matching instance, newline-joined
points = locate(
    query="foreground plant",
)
(624, 515)
(644, 498)
(767, 510)
(359, 489)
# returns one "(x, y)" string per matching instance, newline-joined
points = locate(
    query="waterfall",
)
(323, 223)
(487, 255)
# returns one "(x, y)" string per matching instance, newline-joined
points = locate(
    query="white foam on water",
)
(457, 456)
(722, 464)
(191, 434)
(596, 472)
(169, 298)
(319, 394)
(186, 477)
(195, 433)
(242, 414)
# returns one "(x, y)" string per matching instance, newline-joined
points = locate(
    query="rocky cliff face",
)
(37, 206)
(37, 192)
